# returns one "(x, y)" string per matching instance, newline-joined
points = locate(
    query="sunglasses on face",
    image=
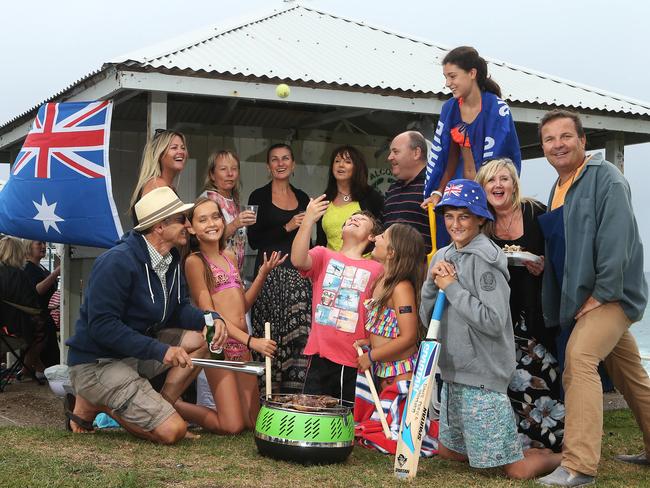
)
(177, 219)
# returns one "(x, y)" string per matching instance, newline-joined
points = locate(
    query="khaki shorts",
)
(122, 385)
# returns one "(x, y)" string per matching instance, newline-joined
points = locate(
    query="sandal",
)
(68, 407)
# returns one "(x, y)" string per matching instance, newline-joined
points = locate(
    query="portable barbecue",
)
(298, 428)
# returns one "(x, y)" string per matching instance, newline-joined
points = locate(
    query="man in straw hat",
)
(135, 322)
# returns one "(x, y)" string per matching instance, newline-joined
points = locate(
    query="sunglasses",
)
(176, 219)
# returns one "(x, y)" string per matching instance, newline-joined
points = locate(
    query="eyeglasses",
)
(176, 219)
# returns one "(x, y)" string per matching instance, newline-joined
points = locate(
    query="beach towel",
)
(368, 430)
(491, 135)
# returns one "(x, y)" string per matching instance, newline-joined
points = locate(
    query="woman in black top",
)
(534, 390)
(348, 192)
(285, 299)
(45, 284)
(19, 303)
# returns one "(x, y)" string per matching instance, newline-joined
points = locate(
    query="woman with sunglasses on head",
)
(285, 299)
(163, 158)
(348, 192)
(475, 125)
(534, 389)
(222, 184)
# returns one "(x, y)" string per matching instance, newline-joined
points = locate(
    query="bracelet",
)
(248, 342)
(436, 192)
(369, 355)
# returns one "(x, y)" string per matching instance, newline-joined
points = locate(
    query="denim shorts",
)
(480, 424)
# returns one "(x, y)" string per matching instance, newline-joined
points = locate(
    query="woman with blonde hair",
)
(222, 184)
(534, 390)
(163, 158)
(19, 307)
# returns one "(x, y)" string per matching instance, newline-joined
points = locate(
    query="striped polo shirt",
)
(402, 204)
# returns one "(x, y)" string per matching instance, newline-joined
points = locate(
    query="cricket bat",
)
(414, 417)
(432, 228)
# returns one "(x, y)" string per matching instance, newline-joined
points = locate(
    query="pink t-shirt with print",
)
(340, 286)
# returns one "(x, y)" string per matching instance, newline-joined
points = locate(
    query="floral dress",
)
(534, 390)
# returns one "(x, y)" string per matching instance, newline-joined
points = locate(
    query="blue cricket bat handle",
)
(438, 308)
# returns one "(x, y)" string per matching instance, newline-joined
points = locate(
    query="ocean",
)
(641, 332)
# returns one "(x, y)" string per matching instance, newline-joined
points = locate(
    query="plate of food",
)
(518, 257)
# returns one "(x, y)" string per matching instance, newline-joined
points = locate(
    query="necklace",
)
(507, 229)
(346, 198)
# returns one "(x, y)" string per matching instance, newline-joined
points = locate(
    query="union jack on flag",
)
(452, 189)
(60, 185)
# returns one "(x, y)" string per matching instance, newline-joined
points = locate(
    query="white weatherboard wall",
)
(312, 156)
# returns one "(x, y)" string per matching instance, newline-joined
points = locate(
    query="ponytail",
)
(467, 58)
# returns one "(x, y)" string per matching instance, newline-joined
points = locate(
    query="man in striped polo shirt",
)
(408, 153)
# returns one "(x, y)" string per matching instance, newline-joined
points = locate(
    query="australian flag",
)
(60, 184)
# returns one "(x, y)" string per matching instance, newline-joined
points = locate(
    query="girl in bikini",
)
(215, 284)
(392, 312)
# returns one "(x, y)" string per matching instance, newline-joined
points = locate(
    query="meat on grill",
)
(307, 402)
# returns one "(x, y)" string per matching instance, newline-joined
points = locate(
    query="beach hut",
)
(351, 83)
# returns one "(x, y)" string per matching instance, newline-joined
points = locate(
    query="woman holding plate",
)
(535, 387)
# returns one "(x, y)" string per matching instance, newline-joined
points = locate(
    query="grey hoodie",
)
(476, 335)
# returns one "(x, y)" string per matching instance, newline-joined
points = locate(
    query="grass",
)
(37, 457)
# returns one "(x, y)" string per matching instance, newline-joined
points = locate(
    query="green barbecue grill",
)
(320, 435)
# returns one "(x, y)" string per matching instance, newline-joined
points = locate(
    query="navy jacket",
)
(124, 300)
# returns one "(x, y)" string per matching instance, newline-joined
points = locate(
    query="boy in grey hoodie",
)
(477, 356)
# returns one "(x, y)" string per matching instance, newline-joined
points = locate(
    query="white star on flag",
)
(46, 214)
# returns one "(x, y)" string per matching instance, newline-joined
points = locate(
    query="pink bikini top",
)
(224, 279)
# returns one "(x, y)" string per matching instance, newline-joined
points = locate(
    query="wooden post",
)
(156, 112)
(64, 304)
(615, 150)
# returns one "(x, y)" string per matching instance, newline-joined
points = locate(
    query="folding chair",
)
(18, 348)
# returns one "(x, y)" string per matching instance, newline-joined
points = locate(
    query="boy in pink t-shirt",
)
(342, 281)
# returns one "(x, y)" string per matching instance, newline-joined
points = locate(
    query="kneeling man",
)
(135, 322)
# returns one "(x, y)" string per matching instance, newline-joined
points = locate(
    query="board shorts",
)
(480, 424)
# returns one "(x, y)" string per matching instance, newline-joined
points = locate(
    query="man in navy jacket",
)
(135, 322)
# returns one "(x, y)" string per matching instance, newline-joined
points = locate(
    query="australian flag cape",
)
(492, 135)
(59, 189)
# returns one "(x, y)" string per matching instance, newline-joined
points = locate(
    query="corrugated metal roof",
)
(301, 44)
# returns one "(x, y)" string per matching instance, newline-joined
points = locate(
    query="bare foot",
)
(84, 413)
(537, 451)
(191, 436)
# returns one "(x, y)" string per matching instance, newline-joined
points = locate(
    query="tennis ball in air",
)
(282, 90)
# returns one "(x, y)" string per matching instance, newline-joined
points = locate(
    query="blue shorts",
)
(480, 424)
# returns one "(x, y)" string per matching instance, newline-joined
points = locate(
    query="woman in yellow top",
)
(348, 192)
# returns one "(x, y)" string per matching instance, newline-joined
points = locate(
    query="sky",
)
(591, 42)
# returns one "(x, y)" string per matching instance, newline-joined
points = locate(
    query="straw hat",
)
(157, 205)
